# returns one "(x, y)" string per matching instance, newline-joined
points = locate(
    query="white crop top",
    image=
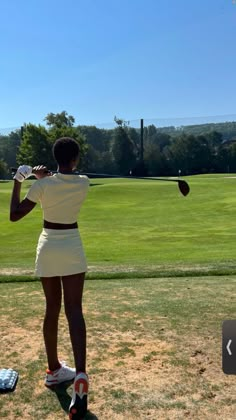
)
(61, 196)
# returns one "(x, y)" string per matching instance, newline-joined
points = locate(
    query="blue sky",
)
(151, 59)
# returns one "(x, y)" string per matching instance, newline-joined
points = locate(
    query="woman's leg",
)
(73, 292)
(53, 293)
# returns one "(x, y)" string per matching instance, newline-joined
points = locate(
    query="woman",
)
(60, 260)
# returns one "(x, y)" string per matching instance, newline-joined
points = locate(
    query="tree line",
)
(170, 151)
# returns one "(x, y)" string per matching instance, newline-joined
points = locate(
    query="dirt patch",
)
(127, 368)
(154, 374)
(134, 378)
(131, 269)
(133, 373)
(20, 343)
(15, 271)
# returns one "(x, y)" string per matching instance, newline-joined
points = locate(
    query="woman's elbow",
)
(14, 217)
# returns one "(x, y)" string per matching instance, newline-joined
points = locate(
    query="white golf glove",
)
(23, 172)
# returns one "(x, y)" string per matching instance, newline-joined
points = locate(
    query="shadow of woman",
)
(65, 399)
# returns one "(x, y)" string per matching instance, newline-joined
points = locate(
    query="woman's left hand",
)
(40, 171)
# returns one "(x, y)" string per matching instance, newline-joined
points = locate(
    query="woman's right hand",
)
(22, 173)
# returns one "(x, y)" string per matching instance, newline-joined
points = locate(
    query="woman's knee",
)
(53, 309)
(75, 317)
(53, 295)
(73, 289)
(73, 308)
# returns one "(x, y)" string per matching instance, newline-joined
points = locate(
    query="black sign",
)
(229, 347)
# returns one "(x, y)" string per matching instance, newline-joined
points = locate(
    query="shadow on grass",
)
(94, 185)
(64, 399)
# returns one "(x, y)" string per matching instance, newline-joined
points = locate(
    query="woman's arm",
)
(19, 209)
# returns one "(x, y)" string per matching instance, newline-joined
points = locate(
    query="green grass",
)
(140, 227)
(161, 336)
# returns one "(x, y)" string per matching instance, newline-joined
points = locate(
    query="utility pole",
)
(21, 132)
(139, 169)
(141, 141)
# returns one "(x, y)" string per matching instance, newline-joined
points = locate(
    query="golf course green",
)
(139, 226)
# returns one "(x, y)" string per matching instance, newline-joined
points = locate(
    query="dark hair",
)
(65, 150)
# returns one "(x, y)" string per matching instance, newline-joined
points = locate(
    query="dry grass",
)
(142, 362)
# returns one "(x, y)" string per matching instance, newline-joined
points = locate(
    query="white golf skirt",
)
(60, 253)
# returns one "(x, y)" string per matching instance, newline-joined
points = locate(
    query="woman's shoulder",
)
(83, 179)
(46, 180)
(58, 179)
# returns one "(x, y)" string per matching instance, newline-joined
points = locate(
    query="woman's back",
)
(61, 196)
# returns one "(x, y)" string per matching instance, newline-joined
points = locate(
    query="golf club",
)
(183, 185)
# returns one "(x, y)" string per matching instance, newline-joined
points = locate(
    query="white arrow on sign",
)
(228, 347)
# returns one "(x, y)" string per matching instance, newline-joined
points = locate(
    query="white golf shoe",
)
(63, 374)
(79, 401)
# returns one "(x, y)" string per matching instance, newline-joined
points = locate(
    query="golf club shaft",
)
(183, 186)
(94, 175)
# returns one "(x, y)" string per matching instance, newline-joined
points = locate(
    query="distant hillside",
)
(227, 129)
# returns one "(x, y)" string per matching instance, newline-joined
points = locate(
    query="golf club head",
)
(183, 187)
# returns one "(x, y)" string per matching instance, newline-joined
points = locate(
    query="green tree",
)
(91, 159)
(3, 145)
(62, 125)
(155, 160)
(123, 150)
(35, 148)
(99, 139)
(189, 154)
(8, 147)
(55, 133)
(215, 140)
(4, 172)
(97, 162)
(230, 157)
(134, 136)
(121, 122)
(59, 120)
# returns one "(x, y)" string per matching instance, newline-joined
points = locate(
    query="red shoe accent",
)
(81, 387)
